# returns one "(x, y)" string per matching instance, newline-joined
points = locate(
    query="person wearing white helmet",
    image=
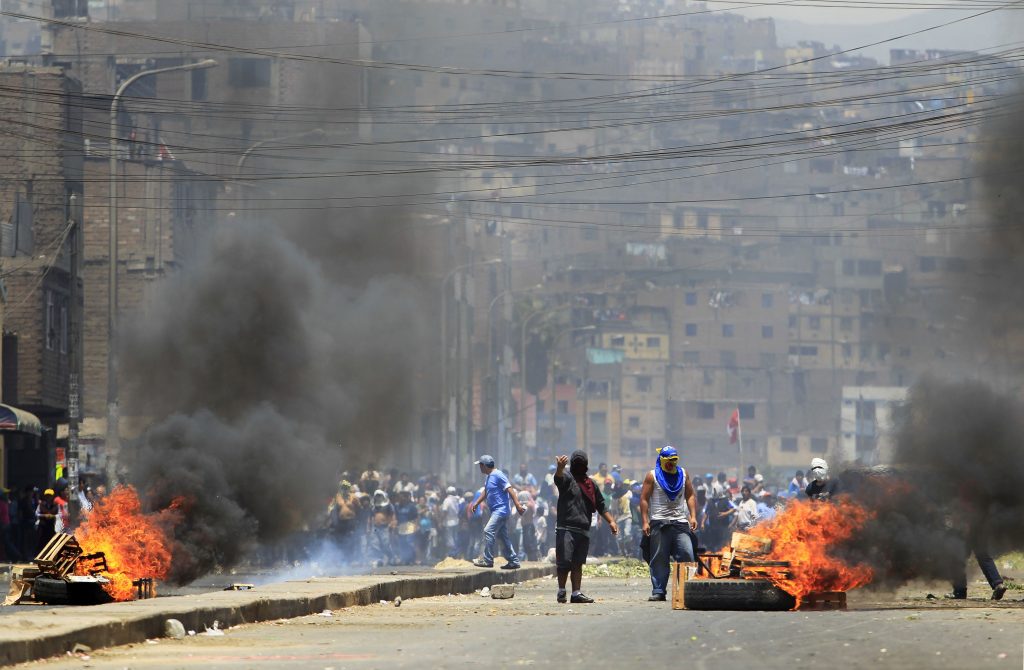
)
(822, 486)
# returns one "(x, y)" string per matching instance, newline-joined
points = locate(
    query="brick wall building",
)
(40, 197)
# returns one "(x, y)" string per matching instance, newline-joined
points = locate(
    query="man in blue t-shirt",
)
(496, 490)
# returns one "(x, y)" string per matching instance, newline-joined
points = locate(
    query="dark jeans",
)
(985, 562)
(669, 542)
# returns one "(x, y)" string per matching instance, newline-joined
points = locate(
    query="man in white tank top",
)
(668, 512)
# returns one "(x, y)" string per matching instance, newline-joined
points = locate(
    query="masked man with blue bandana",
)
(668, 514)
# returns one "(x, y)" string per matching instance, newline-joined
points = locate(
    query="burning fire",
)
(136, 544)
(803, 535)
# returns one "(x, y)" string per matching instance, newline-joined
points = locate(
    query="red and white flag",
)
(734, 426)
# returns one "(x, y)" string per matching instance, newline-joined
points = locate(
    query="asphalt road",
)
(620, 630)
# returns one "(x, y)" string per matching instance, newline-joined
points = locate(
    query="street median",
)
(34, 634)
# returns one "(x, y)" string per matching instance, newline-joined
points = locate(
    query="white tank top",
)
(663, 509)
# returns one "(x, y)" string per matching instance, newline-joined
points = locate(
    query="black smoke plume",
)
(286, 348)
(958, 478)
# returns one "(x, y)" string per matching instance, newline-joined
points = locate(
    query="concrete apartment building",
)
(40, 220)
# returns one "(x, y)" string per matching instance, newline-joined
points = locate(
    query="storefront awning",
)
(17, 420)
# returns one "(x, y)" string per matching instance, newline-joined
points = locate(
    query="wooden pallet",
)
(679, 577)
(59, 556)
(824, 600)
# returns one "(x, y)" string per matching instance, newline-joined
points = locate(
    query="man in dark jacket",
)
(578, 499)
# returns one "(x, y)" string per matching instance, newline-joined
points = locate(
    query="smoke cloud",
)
(958, 481)
(285, 349)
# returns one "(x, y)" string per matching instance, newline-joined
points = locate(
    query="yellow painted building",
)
(638, 345)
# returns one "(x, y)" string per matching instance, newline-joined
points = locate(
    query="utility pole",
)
(74, 341)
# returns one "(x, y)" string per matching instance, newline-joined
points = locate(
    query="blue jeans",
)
(497, 528)
(668, 542)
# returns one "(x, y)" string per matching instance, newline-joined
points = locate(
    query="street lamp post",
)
(113, 441)
(502, 439)
(554, 396)
(315, 133)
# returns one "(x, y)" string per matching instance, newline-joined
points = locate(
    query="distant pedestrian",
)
(822, 486)
(578, 499)
(46, 519)
(496, 490)
(12, 553)
(382, 524)
(668, 509)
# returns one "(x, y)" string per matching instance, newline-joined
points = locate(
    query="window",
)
(789, 444)
(767, 300)
(728, 330)
(849, 267)
(847, 351)
(767, 359)
(869, 268)
(634, 422)
(928, 263)
(746, 410)
(643, 384)
(702, 220)
(792, 321)
(691, 357)
(563, 406)
(691, 298)
(819, 445)
(540, 406)
(653, 342)
(814, 322)
(767, 332)
(249, 72)
(728, 359)
(619, 341)
(62, 326)
(846, 323)
(808, 351)
(705, 410)
(590, 232)
(691, 330)
(51, 321)
(904, 352)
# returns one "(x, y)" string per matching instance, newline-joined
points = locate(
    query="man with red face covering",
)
(668, 514)
(578, 499)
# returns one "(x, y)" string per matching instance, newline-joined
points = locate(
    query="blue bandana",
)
(670, 482)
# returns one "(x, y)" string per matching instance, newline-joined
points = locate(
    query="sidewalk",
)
(30, 635)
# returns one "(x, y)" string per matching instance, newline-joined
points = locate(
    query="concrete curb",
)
(33, 635)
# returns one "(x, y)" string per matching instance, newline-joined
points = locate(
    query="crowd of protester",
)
(390, 518)
(30, 516)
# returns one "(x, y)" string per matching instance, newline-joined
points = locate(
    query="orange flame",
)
(136, 544)
(803, 534)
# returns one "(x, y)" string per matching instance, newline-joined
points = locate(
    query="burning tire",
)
(59, 592)
(736, 594)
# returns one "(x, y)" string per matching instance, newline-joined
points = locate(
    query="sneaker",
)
(510, 566)
(481, 563)
(580, 598)
(657, 598)
(561, 597)
(998, 591)
(956, 595)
